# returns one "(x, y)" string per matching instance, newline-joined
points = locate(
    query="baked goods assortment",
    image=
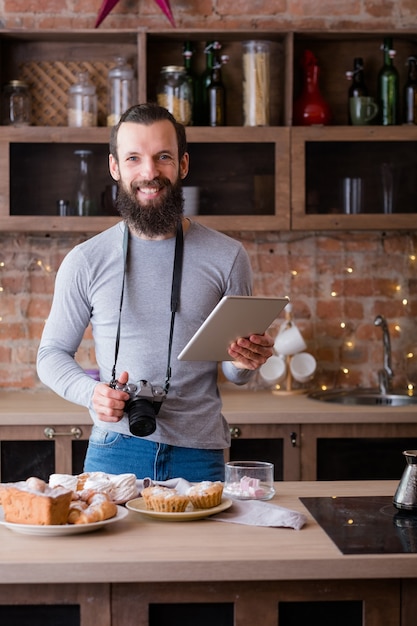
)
(65, 499)
(204, 495)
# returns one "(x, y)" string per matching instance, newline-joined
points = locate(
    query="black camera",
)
(143, 406)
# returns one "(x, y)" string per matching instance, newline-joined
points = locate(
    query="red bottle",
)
(311, 108)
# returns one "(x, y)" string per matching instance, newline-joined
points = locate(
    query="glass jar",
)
(174, 92)
(256, 81)
(83, 202)
(82, 102)
(121, 90)
(16, 106)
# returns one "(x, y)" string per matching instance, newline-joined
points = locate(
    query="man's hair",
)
(148, 114)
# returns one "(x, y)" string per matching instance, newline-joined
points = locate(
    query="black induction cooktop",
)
(365, 525)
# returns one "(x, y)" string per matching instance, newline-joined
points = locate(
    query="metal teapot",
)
(406, 495)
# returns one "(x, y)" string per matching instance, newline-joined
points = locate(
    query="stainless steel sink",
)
(369, 397)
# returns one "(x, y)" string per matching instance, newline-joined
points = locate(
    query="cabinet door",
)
(41, 451)
(50, 605)
(355, 451)
(361, 177)
(274, 443)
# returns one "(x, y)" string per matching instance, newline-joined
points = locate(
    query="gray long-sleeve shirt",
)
(87, 290)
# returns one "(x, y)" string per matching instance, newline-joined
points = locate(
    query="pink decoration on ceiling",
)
(108, 5)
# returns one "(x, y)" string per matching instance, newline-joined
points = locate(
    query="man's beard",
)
(155, 217)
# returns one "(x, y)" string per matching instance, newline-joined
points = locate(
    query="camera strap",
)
(175, 297)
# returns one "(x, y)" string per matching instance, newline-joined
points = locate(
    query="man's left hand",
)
(251, 352)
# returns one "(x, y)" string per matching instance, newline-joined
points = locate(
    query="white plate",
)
(61, 529)
(138, 505)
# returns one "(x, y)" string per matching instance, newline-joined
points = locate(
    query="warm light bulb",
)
(333, 294)
(342, 324)
(405, 301)
(294, 273)
(397, 327)
(345, 370)
(412, 257)
(397, 287)
(349, 270)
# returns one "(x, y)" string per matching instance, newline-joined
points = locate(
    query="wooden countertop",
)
(240, 406)
(141, 549)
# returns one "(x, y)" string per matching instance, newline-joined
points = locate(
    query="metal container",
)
(406, 495)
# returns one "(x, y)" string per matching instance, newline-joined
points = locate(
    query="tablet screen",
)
(233, 317)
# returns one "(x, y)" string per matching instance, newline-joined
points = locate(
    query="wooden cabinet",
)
(326, 451)
(41, 450)
(272, 178)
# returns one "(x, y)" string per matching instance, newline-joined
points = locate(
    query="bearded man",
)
(121, 282)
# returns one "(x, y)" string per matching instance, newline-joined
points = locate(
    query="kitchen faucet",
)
(385, 374)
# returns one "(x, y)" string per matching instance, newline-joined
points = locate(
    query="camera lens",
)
(141, 414)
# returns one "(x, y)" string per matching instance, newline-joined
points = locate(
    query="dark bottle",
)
(358, 87)
(410, 93)
(216, 95)
(388, 87)
(187, 53)
(203, 114)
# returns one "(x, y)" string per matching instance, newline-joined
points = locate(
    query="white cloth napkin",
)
(249, 512)
(259, 513)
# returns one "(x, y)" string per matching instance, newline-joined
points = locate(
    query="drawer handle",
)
(293, 439)
(235, 432)
(50, 432)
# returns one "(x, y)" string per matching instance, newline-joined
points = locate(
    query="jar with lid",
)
(82, 102)
(174, 92)
(256, 82)
(16, 105)
(121, 90)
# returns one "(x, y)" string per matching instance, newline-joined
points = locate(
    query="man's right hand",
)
(109, 403)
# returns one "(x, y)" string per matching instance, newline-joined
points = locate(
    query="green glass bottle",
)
(187, 53)
(210, 51)
(410, 93)
(388, 87)
(216, 95)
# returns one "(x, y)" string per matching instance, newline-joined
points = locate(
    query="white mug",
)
(289, 341)
(274, 370)
(303, 366)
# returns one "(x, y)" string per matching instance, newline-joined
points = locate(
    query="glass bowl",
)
(249, 480)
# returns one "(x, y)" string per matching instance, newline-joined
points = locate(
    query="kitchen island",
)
(140, 562)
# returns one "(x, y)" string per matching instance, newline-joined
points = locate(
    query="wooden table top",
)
(143, 549)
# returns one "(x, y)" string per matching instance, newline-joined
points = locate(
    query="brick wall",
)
(332, 278)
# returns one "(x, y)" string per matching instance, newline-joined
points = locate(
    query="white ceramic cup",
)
(191, 200)
(303, 366)
(274, 370)
(289, 341)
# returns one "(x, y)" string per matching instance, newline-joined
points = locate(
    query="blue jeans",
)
(114, 453)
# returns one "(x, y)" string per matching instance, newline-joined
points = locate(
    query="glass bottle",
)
(388, 87)
(16, 105)
(203, 114)
(82, 102)
(187, 53)
(121, 90)
(83, 203)
(358, 87)
(256, 83)
(216, 95)
(311, 108)
(175, 94)
(410, 92)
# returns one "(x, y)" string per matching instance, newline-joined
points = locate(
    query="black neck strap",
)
(175, 297)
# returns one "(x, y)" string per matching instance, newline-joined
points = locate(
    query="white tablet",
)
(232, 317)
